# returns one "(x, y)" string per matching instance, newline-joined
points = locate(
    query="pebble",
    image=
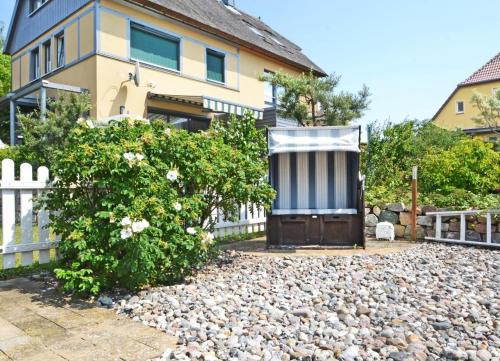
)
(432, 302)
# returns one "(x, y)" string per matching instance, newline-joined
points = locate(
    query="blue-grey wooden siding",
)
(315, 180)
(27, 28)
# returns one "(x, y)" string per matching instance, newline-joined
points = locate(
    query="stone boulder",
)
(426, 209)
(420, 232)
(473, 236)
(396, 207)
(399, 231)
(376, 210)
(405, 218)
(454, 226)
(370, 231)
(424, 221)
(389, 216)
(371, 220)
(385, 230)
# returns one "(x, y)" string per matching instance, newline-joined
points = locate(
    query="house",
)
(181, 61)
(458, 111)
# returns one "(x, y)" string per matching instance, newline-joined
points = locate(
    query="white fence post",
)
(486, 240)
(43, 217)
(463, 226)
(26, 196)
(8, 213)
(488, 227)
(249, 217)
(438, 226)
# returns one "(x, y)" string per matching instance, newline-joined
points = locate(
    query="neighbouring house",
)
(458, 111)
(181, 61)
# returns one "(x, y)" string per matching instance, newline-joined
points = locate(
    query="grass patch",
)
(239, 237)
(25, 271)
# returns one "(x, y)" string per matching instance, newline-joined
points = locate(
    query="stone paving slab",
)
(38, 323)
(257, 247)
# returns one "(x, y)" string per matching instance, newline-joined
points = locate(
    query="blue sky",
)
(411, 54)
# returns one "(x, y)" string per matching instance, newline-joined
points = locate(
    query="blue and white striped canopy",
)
(314, 139)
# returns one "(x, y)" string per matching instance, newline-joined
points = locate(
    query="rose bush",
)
(134, 201)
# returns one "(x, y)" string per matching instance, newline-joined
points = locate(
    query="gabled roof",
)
(488, 72)
(235, 25)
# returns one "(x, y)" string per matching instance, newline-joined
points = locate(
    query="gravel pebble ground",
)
(431, 302)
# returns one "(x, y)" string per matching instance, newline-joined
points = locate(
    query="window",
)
(495, 90)
(272, 93)
(35, 64)
(460, 107)
(215, 66)
(191, 123)
(152, 47)
(47, 57)
(60, 50)
(36, 4)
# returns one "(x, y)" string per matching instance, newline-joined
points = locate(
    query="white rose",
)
(139, 156)
(208, 238)
(89, 123)
(139, 226)
(168, 132)
(129, 156)
(177, 206)
(126, 222)
(126, 233)
(172, 175)
(191, 230)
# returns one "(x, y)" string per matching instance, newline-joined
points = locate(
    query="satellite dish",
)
(137, 76)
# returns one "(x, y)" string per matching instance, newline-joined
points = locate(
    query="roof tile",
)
(237, 23)
(489, 71)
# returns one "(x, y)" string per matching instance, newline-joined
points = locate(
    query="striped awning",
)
(314, 139)
(230, 108)
(209, 104)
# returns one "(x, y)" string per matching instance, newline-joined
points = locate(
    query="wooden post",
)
(414, 205)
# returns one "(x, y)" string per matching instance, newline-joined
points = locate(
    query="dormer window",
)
(36, 4)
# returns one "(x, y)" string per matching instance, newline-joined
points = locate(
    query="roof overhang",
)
(190, 21)
(30, 88)
(208, 104)
(474, 131)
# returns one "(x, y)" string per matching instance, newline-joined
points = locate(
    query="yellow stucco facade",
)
(98, 58)
(451, 116)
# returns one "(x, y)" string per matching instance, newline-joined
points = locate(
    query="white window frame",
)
(47, 55)
(456, 107)
(35, 64)
(32, 9)
(58, 38)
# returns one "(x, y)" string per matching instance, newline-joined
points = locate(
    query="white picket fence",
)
(463, 227)
(19, 242)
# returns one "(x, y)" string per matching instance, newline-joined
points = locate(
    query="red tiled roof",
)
(489, 71)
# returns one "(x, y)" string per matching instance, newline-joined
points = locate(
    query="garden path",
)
(38, 323)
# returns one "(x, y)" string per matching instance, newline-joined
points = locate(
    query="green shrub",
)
(454, 170)
(134, 201)
(43, 138)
